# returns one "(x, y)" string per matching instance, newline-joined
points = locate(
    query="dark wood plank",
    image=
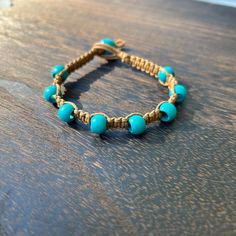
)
(176, 179)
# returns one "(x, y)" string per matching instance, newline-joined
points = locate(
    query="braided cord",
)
(139, 63)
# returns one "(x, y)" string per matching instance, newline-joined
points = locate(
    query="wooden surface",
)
(176, 179)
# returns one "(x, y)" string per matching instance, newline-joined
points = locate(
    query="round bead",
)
(49, 93)
(109, 42)
(162, 76)
(169, 70)
(168, 111)
(65, 113)
(181, 92)
(98, 124)
(57, 69)
(137, 124)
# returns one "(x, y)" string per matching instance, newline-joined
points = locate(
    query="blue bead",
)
(49, 93)
(169, 70)
(98, 124)
(181, 92)
(57, 69)
(109, 42)
(168, 111)
(65, 113)
(162, 76)
(137, 124)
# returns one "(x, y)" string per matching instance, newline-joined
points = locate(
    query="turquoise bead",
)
(49, 93)
(169, 70)
(181, 92)
(162, 76)
(98, 124)
(65, 113)
(57, 69)
(109, 42)
(168, 111)
(137, 124)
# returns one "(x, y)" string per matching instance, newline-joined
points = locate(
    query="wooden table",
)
(59, 179)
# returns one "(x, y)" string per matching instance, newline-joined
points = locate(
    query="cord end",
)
(120, 43)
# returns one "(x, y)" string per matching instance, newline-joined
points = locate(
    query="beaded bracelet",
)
(100, 122)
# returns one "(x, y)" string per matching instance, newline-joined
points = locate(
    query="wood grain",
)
(176, 179)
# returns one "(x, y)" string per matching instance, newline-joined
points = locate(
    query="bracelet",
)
(99, 122)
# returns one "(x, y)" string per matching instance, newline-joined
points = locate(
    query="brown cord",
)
(139, 63)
